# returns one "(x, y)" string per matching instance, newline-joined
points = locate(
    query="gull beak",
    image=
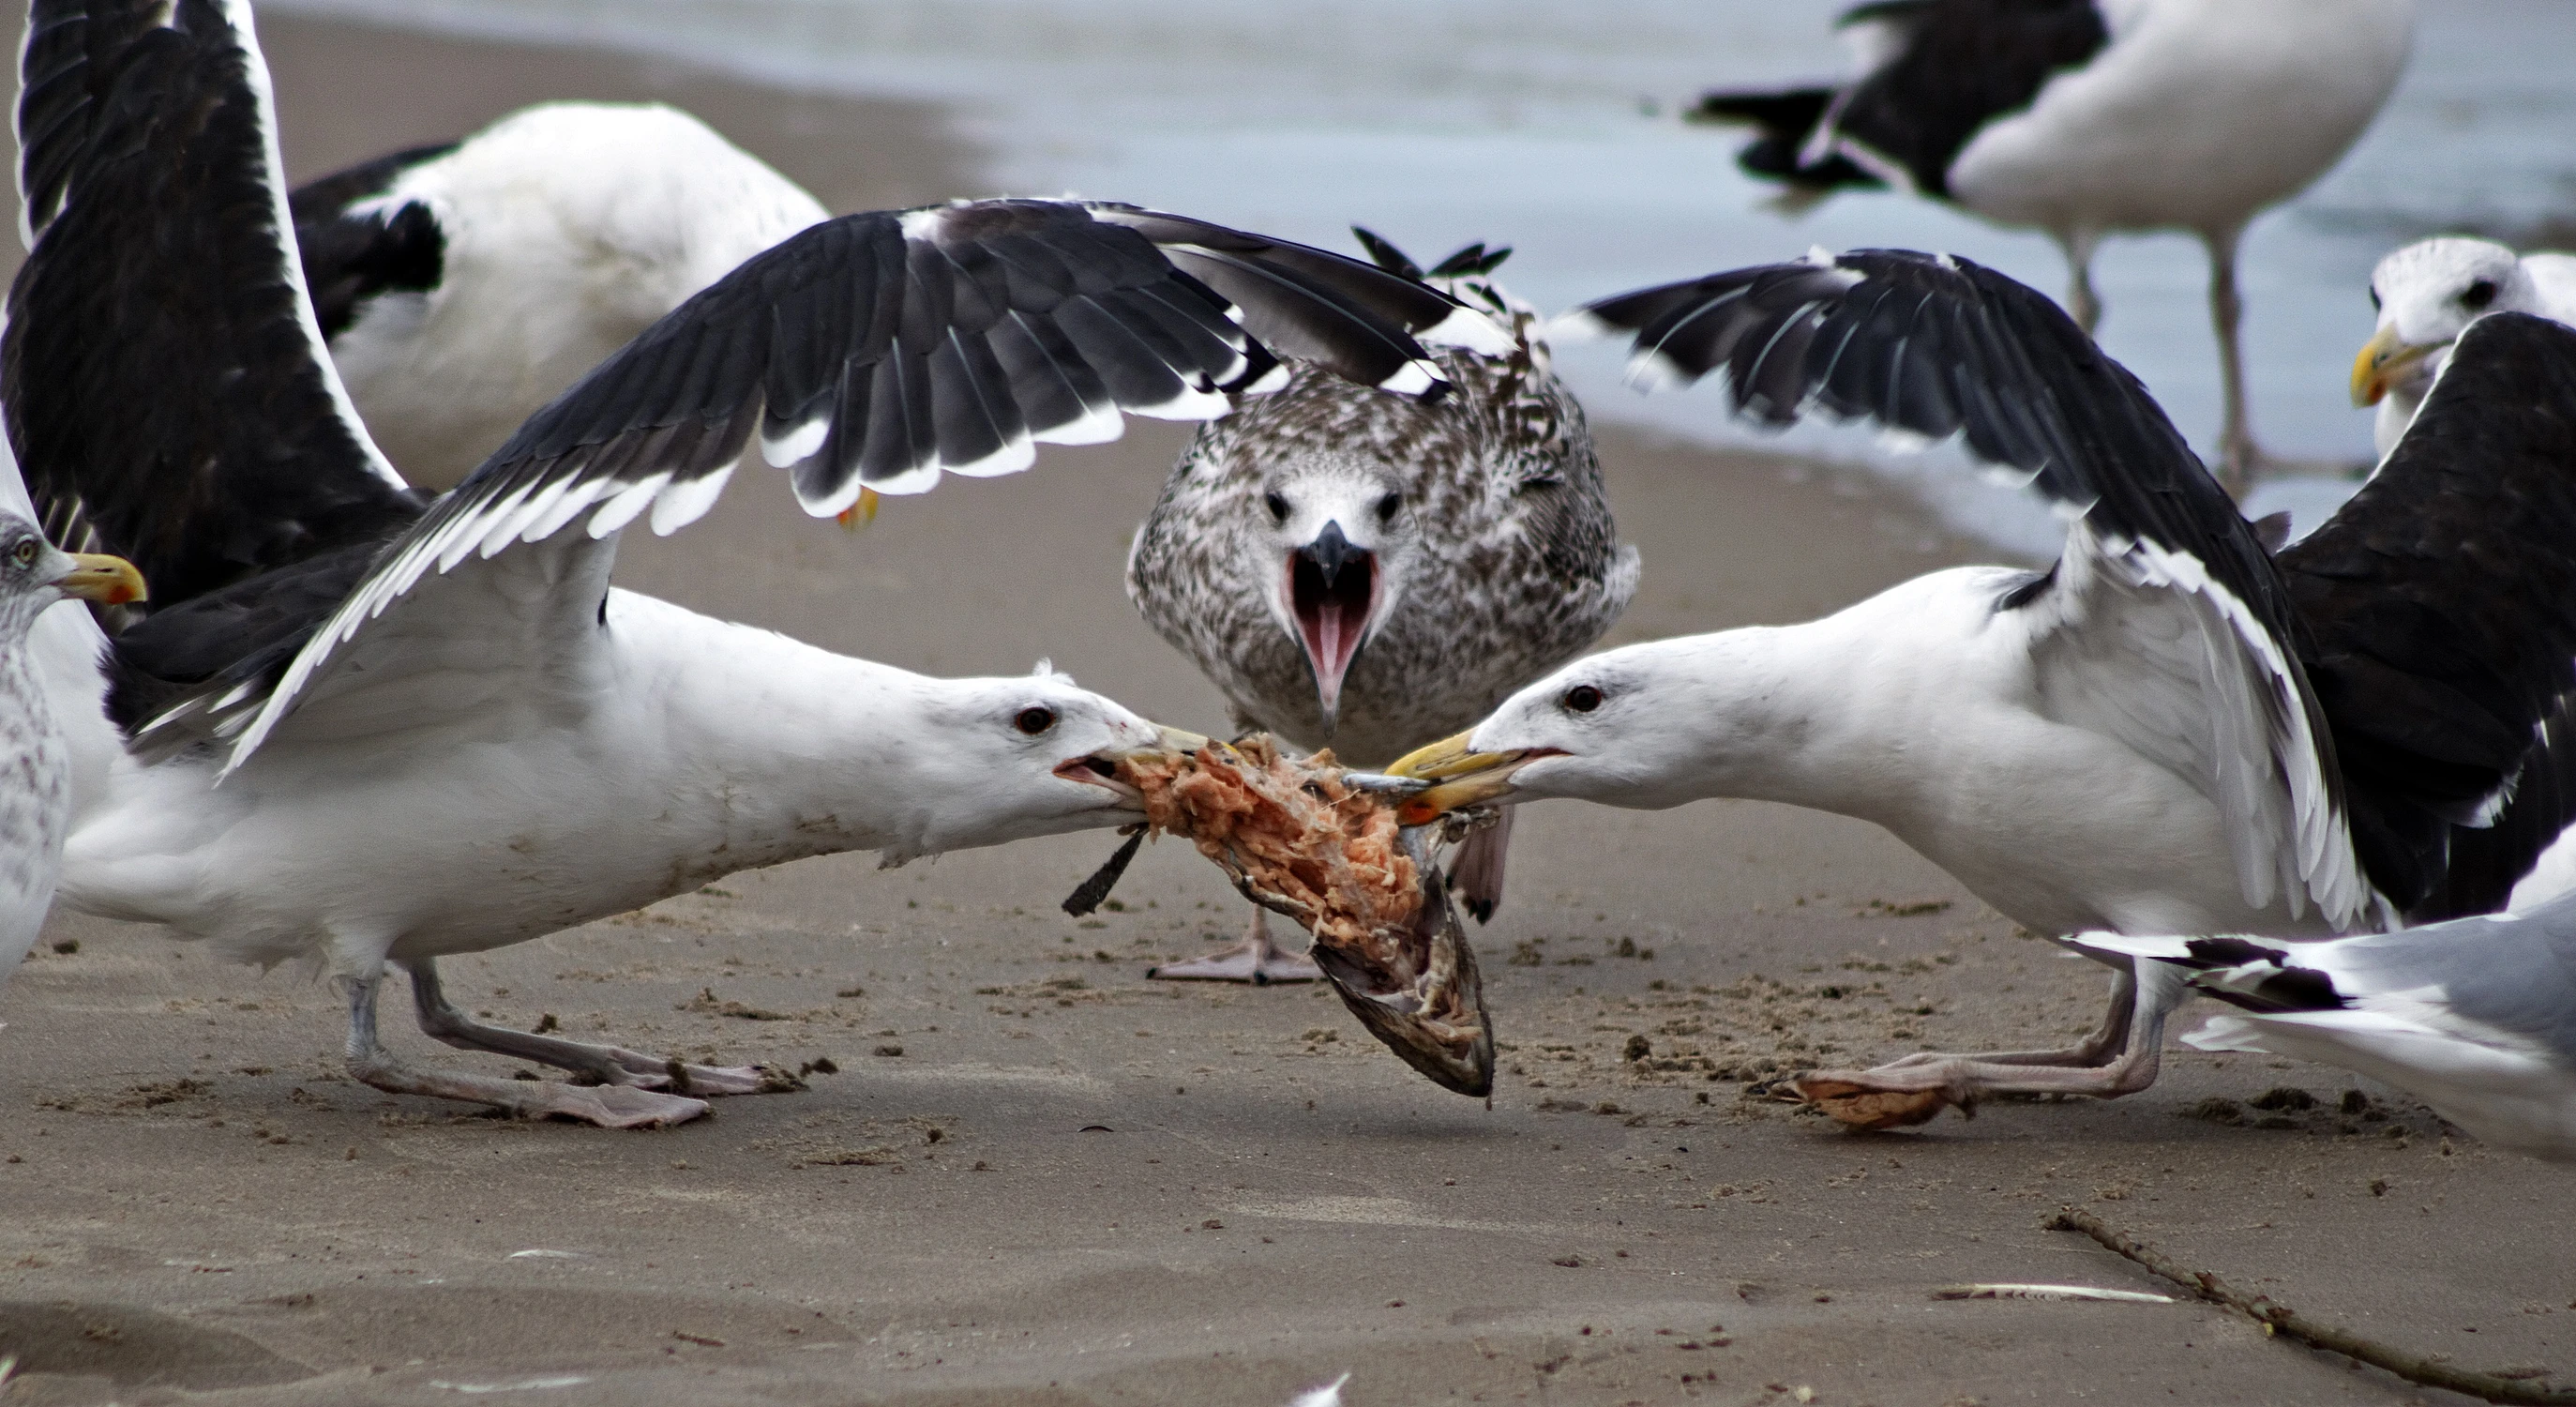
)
(110, 581)
(2381, 361)
(1100, 769)
(1460, 776)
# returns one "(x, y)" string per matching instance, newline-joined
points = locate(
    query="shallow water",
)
(1549, 128)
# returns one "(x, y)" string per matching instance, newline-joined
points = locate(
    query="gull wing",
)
(2163, 625)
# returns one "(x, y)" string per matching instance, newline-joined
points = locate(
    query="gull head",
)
(1334, 541)
(2427, 294)
(34, 574)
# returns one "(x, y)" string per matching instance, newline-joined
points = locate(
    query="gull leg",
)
(609, 1106)
(1256, 960)
(2239, 459)
(2081, 303)
(2107, 1039)
(610, 1065)
(1477, 877)
(1891, 1095)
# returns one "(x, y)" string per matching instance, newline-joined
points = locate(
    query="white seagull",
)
(461, 286)
(35, 762)
(2426, 294)
(2084, 118)
(1366, 572)
(2477, 1017)
(365, 728)
(2173, 729)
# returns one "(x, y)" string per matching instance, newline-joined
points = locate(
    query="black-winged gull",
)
(2085, 118)
(2173, 729)
(369, 728)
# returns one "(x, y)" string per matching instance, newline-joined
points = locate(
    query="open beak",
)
(1460, 776)
(95, 576)
(2383, 360)
(1100, 769)
(1332, 594)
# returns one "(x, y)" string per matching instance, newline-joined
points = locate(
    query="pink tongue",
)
(1327, 641)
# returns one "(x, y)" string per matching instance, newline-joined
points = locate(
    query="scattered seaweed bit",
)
(2217, 1110)
(2279, 1319)
(2284, 1099)
(1093, 892)
(1295, 838)
(706, 1002)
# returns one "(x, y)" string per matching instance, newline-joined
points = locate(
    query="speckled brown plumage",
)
(1501, 563)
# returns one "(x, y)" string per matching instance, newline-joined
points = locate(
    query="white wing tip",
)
(1414, 378)
(1581, 325)
(1466, 328)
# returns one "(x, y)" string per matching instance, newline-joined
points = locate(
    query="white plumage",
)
(562, 231)
(2476, 1016)
(2427, 294)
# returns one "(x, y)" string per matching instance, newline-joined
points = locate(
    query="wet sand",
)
(1036, 1178)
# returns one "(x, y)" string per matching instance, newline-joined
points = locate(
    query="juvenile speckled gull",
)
(1365, 572)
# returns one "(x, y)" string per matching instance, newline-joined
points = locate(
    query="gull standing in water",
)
(2085, 118)
(368, 728)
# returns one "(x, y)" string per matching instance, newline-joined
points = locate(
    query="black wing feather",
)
(1959, 65)
(2442, 605)
(1937, 346)
(172, 404)
(350, 258)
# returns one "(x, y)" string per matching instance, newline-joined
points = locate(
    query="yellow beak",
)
(110, 581)
(1462, 776)
(2380, 361)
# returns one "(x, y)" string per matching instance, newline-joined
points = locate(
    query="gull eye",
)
(1034, 720)
(24, 554)
(1387, 506)
(2478, 294)
(1582, 698)
(1277, 503)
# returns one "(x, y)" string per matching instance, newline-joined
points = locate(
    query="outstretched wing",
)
(877, 352)
(2441, 601)
(168, 396)
(2164, 625)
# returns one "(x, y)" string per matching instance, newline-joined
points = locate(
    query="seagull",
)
(367, 728)
(2084, 118)
(2425, 294)
(1365, 572)
(2477, 1016)
(2179, 727)
(35, 766)
(463, 285)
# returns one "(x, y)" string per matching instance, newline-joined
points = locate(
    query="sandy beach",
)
(1032, 1177)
